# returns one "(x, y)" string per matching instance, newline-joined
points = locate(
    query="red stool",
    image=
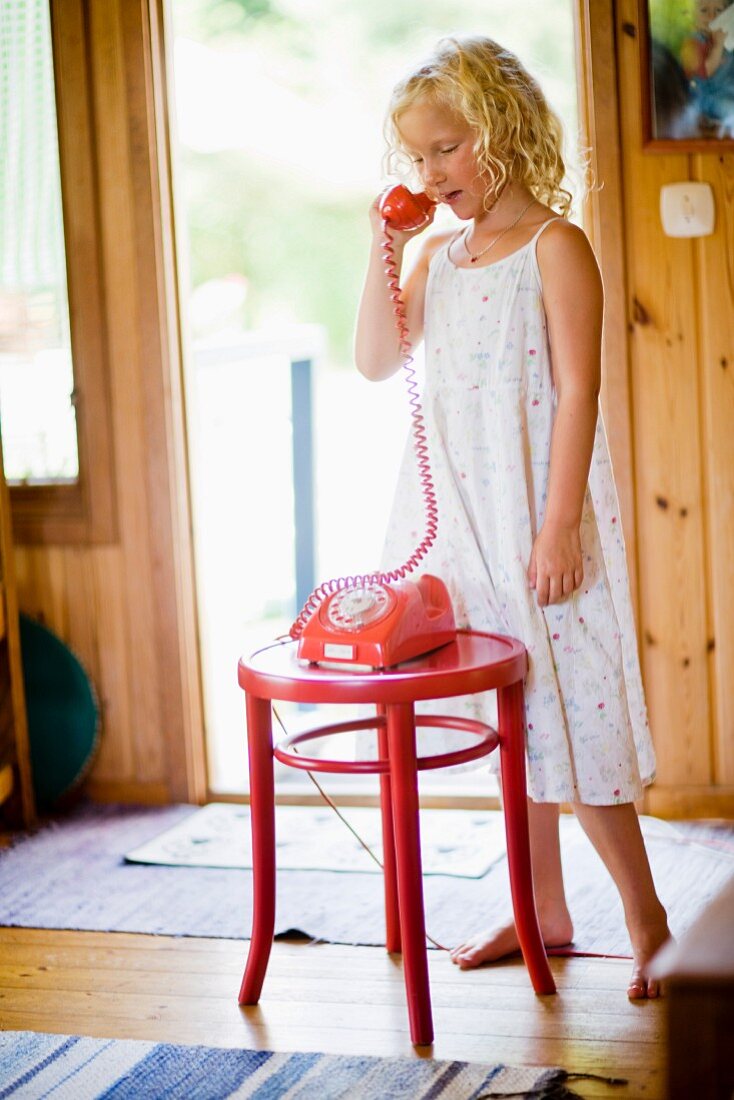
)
(475, 662)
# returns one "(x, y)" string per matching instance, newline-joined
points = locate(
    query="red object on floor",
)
(473, 663)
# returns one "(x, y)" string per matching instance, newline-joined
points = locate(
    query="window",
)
(53, 393)
(36, 376)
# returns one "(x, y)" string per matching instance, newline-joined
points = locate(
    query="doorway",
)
(293, 455)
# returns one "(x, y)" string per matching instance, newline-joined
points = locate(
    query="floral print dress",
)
(489, 404)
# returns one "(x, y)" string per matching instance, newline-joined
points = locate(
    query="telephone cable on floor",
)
(340, 815)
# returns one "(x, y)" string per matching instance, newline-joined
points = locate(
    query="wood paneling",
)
(680, 295)
(127, 608)
(714, 259)
(117, 755)
(603, 221)
(686, 800)
(16, 785)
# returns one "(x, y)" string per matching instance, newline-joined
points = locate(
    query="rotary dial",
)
(353, 609)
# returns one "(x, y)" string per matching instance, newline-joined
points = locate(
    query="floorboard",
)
(328, 997)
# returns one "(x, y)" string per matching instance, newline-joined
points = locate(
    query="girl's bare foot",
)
(645, 943)
(557, 930)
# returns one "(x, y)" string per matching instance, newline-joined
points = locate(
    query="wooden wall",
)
(127, 608)
(680, 318)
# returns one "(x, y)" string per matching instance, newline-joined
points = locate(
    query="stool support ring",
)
(487, 741)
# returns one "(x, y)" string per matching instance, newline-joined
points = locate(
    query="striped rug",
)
(69, 1067)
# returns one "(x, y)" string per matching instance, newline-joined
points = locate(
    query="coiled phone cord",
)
(420, 444)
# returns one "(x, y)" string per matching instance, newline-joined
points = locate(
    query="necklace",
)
(474, 257)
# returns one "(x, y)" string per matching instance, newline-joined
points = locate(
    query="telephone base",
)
(344, 666)
(354, 666)
(379, 625)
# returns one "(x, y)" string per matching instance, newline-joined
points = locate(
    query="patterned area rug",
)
(69, 1067)
(461, 843)
(73, 874)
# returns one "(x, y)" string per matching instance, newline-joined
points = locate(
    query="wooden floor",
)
(343, 1000)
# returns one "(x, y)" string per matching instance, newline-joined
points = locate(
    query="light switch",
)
(687, 209)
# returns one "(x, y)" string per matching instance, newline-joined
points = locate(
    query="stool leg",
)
(262, 820)
(389, 873)
(514, 796)
(404, 776)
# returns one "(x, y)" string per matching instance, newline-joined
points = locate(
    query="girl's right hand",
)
(400, 236)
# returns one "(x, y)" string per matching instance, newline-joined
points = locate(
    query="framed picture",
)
(687, 59)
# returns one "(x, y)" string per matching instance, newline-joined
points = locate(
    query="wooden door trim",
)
(597, 83)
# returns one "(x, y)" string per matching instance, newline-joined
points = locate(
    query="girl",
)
(529, 540)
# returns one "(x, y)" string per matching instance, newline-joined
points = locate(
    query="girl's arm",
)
(693, 58)
(714, 59)
(376, 344)
(574, 305)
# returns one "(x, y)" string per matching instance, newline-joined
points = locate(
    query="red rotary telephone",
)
(379, 625)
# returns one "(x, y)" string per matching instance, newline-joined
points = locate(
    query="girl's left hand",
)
(556, 563)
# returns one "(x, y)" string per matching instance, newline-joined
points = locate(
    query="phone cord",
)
(342, 818)
(420, 444)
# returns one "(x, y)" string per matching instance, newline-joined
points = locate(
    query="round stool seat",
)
(474, 662)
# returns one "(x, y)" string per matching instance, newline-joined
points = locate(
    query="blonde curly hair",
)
(518, 134)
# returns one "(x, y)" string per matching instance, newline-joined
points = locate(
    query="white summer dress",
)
(489, 404)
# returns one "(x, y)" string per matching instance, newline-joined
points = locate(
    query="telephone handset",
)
(381, 619)
(404, 209)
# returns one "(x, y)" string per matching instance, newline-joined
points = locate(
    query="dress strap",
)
(542, 227)
(533, 242)
(451, 244)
